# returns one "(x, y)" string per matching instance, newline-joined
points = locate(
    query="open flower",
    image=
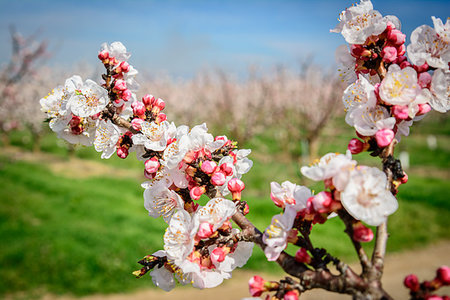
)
(155, 136)
(179, 236)
(106, 138)
(160, 201)
(361, 93)
(400, 86)
(88, 100)
(275, 236)
(366, 196)
(427, 46)
(358, 22)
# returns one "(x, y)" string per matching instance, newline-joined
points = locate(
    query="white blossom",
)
(106, 138)
(360, 93)
(439, 93)
(88, 100)
(359, 22)
(430, 47)
(400, 86)
(154, 136)
(275, 236)
(179, 236)
(366, 196)
(367, 121)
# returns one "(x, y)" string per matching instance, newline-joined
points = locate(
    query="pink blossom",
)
(161, 118)
(423, 109)
(205, 230)
(355, 146)
(159, 103)
(400, 112)
(120, 85)
(152, 165)
(424, 79)
(322, 202)
(443, 274)
(291, 295)
(138, 108)
(256, 286)
(126, 95)
(136, 123)
(218, 178)
(124, 66)
(396, 37)
(362, 233)
(412, 282)
(236, 186)
(218, 254)
(384, 137)
(148, 100)
(401, 50)
(227, 168)
(302, 256)
(208, 167)
(389, 54)
(196, 192)
(122, 152)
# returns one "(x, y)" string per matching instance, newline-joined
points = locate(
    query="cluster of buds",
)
(425, 290)
(283, 290)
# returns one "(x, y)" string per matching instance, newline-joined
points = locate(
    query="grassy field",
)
(71, 231)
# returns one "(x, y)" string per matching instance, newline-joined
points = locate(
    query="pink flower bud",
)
(159, 103)
(291, 295)
(227, 168)
(400, 59)
(362, 233)
(221, 138)
(389, 54)
(120, 85)
(103, 55)
(384, 137)
(424, 79)
(322, 202)
(404, 179)
(434, 297)
(161, 118)
(302, 256)
(218, 178)
(208, 167)
(412, 282)
(421, 68)
(396, 37)
(246, 209)
(355, 146)
(122, 152)
(138, 108)
(401, 50)
(196, 192)
(75, 121)
(218, 255)
(405, 64)
(356, 50)
(256, 286)
(148, 100)
(124, 66)
(149, 175)
(152, 165)
(236, 186)
(136, 124)
(205, 230)
(400, 112)
(443, 274)
(126, 95)
(423, 109)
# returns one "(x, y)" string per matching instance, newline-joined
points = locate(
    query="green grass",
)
(84, 235)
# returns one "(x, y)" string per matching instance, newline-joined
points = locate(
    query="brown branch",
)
(348, 221)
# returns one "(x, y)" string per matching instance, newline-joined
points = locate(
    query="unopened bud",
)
(236, 186)
(152, 165)
(256, 286)
(136, 124)
(148, 100)
(384, 137)
(218, 178)
(161, 118)
(208, 167)
(227, 168)
(126, 95)
(389, 54)
(302, 256)
(412, 282)
(362, 233)
(120, 85)
(124, 66)
(196, 192)
(400, 112)
(205, 230)
(355, 146)
(138, 108)
(443, 274)
(122, 152)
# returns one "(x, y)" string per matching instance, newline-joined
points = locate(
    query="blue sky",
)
(182, 37)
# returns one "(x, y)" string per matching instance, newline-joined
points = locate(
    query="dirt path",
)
(422, 262)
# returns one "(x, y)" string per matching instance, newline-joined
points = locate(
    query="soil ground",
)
(422, 262)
